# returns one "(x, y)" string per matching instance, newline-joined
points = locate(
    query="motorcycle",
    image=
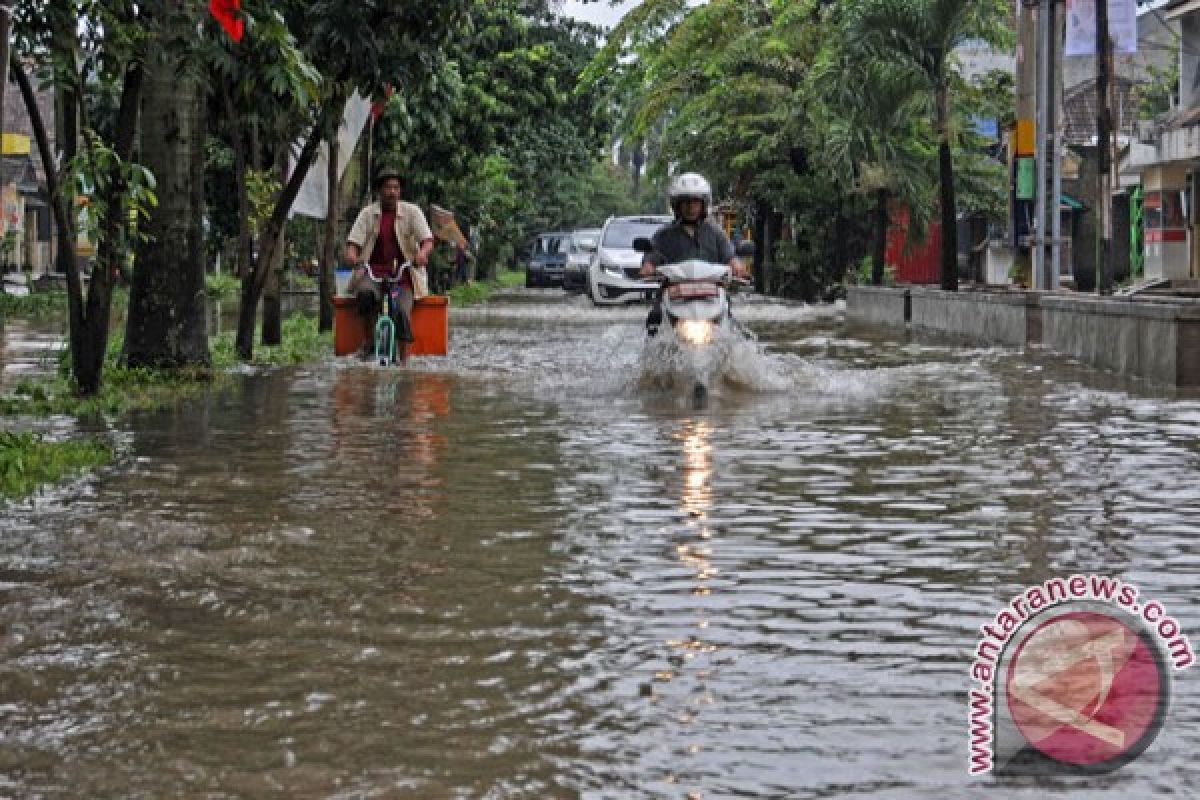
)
(695, 305)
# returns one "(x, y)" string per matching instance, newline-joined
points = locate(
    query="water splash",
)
(734, 360)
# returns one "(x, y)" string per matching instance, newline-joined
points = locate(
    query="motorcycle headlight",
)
(695, 331)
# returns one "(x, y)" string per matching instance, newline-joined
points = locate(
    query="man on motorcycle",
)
(386, 234)
(692, 235)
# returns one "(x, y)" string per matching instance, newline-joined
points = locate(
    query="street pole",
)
(1043, 129)
(1104, 272)
(1026, 114)
(1056, 73)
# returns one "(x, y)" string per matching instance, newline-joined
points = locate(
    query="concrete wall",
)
(1153, 338)
(878, 305)
(1158, 341)
(1011, 318)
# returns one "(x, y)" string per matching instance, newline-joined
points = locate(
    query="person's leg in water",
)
(655, 317)
(402, 307)
(369, 297)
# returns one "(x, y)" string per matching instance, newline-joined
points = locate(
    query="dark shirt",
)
(673, 243)
(386, 252)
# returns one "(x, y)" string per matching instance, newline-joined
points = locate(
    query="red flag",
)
(226, 13)
(378, 106)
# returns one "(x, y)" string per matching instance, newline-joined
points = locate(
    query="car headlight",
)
(695, 331)
(611, 269)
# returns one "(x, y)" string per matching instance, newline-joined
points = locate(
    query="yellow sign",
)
(14, 144)
(1025, 144)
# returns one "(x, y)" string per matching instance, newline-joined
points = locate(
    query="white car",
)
(613, 273)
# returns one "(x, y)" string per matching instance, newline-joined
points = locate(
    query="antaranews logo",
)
(1073, 676)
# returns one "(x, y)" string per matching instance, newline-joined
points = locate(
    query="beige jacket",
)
(411, 229)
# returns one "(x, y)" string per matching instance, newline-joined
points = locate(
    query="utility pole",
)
(1057, 23)
(1043, 157)
(1104, 267)
(1026, 112)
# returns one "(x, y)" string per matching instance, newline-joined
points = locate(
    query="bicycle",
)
(385, 325)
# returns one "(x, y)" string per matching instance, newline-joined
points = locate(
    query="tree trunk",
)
(113, 245)
(946, 176)
(252, 286)
(167, 325)
(881, 228)
(329, 242)
(839, 241)
(272, 325)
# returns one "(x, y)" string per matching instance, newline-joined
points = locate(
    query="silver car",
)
(579, 254)
(613, 273)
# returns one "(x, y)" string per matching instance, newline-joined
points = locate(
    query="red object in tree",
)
(378, 106)
(226, 13)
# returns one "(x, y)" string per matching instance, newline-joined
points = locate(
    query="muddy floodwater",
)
(537, 569)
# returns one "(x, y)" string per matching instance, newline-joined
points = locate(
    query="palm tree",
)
(873, 132)
(923, 34)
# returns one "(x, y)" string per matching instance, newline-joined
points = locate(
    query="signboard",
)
(1026, 178)
(13, 207)
(1081, 27)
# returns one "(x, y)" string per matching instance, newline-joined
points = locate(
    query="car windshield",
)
(584, 242)
(548, 244)
(620, 235)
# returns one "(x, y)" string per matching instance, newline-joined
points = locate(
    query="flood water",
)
(531, 571)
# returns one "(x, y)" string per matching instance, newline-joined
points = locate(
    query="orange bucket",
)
(430, 326)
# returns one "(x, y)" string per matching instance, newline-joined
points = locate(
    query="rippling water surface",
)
(528, 571)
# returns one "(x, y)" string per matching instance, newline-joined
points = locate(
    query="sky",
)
(600, 13)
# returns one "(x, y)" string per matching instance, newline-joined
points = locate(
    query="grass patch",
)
(27, 461)
(33, 305)
(479, 291)
(302, 344)
(510, 280)
(127, 389)
(41, 305)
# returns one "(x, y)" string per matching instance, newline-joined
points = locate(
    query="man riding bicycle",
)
(390, 240)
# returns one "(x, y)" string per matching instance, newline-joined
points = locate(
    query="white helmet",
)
(687, 186)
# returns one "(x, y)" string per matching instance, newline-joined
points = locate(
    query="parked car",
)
(613, 273)
(547, 259)
(579, 255)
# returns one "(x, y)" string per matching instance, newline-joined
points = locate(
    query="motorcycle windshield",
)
(694, 270)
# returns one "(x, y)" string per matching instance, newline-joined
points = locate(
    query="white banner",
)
(313, 199)
(1081, 27)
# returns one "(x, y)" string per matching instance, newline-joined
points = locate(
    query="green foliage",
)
(301, 344)
(1157, 96)
(28, 461)
(862, 273)
(479, 291)
(262, 187)
(222, 285)
(33, 305)
(97, 170)
(507, 142)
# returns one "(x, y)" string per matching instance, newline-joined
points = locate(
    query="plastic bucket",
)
(430, 326)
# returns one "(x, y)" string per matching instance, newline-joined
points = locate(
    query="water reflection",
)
(507, 574)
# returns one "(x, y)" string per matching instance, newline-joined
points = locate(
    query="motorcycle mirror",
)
(643, 245)
(745, 249)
